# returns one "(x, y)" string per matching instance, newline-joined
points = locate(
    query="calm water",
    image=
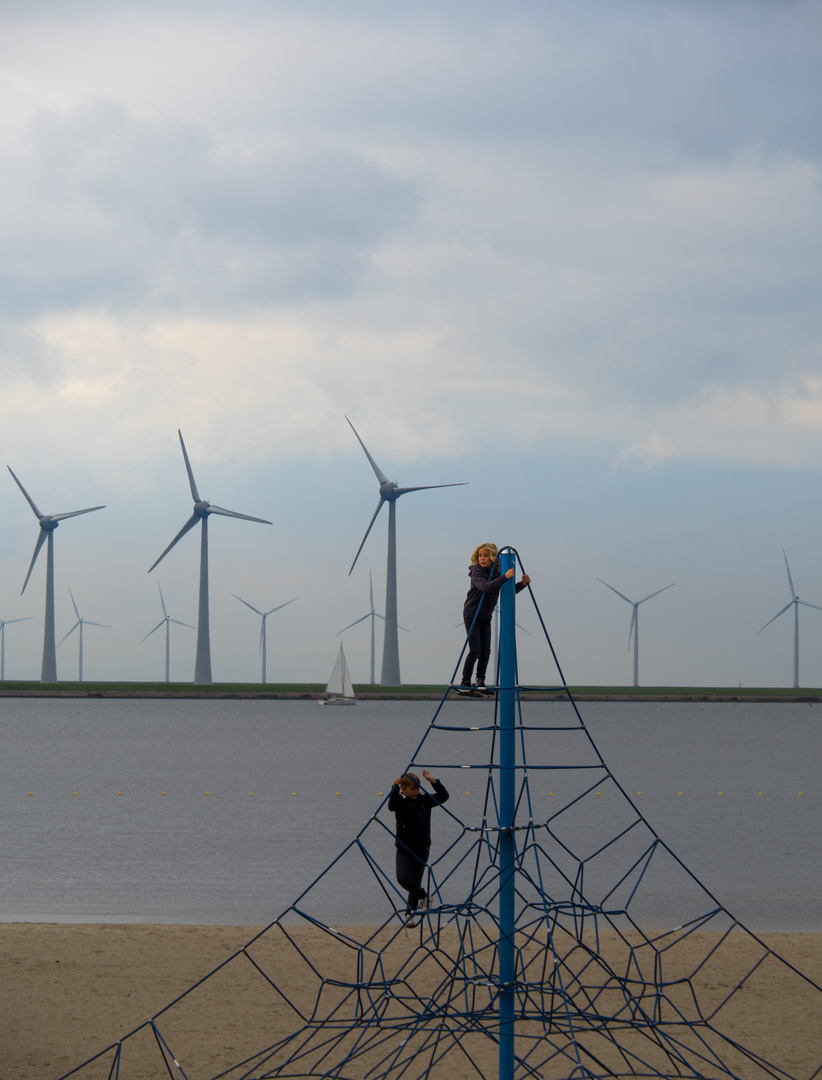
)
(316, 775)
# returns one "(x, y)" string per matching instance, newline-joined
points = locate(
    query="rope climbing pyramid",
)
(554, 946)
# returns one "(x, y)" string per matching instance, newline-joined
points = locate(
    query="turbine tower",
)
(200, 515)
(167, 619)
(263, 615)
(795, 602)
(48, 523)
(389, 493)
(3, 624)
(634, 631)
(80, 623)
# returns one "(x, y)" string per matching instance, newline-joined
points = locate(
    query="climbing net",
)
(616, 973)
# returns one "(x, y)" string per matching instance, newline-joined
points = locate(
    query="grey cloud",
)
(103, 207)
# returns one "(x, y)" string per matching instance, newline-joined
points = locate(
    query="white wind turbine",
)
(372, 615)
(167, 620)
(48, 523)
(634, 631)
(3, 624)
(795, 602)
(389, 493)
(80, 622)
(263, 615)
(200, 515)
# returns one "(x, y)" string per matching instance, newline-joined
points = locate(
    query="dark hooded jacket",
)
(414, 817)
(484, 583)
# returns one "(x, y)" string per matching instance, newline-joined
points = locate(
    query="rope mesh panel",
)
(606, 983)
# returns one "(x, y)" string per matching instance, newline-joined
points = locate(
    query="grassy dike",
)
(411, 692)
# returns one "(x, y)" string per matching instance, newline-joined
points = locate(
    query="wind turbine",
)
(263, 615)
(48, 523)
(200, 515)
(372, 615)
(634, 631)
(389, 493)
(167, 620)
(79, 623)
(795, 602)
(3, 624)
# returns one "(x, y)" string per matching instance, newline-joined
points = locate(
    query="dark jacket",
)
(414, 817)
(485, 583)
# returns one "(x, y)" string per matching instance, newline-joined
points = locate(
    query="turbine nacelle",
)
(389, 491)
(202, 508)
(49, 522)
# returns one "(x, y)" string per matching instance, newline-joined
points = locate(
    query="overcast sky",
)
(568, 252)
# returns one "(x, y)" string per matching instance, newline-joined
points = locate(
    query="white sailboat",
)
(339, 690)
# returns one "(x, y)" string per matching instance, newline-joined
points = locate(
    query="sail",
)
(340, 681)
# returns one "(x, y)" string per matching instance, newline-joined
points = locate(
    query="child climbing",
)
(478, 610)
(412, 807)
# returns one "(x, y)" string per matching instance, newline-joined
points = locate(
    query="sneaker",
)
(465, 688)
(424, 904)
(481, 688)
(411, 922)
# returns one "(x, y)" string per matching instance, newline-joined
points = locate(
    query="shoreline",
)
(696, 696)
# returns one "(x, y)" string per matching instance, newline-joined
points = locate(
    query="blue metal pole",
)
(507, 802)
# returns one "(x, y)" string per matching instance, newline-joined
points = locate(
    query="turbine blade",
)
(233, 513)
(648, 597)
(75, 513)
(194, 493)
(192, 521)
(427, 487)
(63, 638)
(277, 608)
(782, 612)
(367, 531)
(74, 605)
(29, 499)
(624, 597)
(88, 622)
(162, 602)
(236, 597)
(7, 622)
(41, 539)
(380, 475)
(355, 623)
(806, 603)
(156, 628)
(178, 623)
(632, 631)
(790, 579)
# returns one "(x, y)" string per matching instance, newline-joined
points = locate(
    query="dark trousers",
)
(479, 648)
(410, 868)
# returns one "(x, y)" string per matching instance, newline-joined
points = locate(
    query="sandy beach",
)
(70, 990)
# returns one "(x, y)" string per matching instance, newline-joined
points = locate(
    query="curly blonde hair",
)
(492, 550)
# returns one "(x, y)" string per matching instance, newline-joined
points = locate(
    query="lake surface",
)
(225, 811)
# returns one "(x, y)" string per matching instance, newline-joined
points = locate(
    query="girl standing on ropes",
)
(486, 583)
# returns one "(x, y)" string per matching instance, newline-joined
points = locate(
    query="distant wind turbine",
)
(166, 621)
(48, 523)
(634, 631)
(389, 493)
(372, 615)
(80, 622)
(200, 515)
(795, 602)
(3, 624)
(263, 615)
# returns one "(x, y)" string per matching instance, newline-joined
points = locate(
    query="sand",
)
(70, 990)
